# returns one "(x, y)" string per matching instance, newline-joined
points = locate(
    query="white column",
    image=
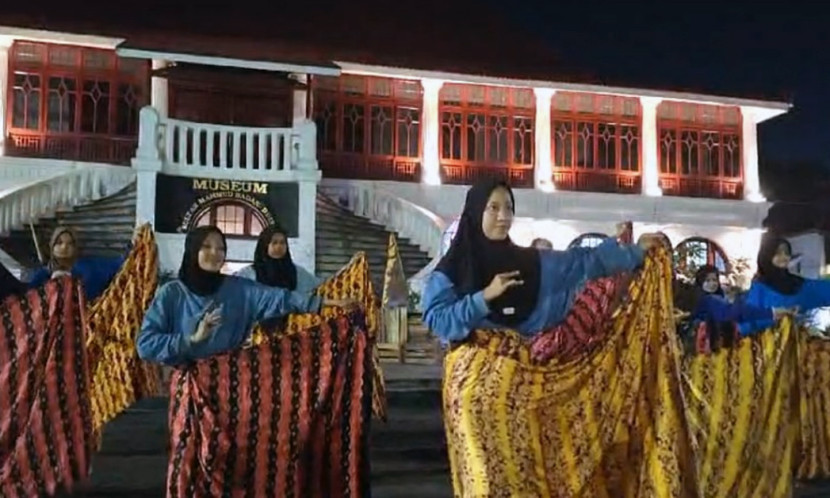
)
(543, 167)
(650, 147)
(749, 150)
(299, 98)
(307, 211)
(4, 91)
(430, 131)
(147, 164)
(159, 90)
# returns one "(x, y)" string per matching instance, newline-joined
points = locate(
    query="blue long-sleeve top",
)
(95, 273)
(306, 281)
(718, 309)
(563, 274)
(175, 312)
(813, 294)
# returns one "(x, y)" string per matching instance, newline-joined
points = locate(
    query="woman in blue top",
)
(487, 281)
(273, 265)
(719, 314)
(775, 286)
(95, 273)
(204, 312)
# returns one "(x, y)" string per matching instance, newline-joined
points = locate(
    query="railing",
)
(201, 149)
(411, 221)
(28, 202)
(468, 174)
(361, 167)
(702, 187)
(593, 181)
(73, 147)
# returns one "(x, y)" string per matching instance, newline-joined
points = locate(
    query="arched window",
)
(233, 218)
(592, 239)
(695, 252)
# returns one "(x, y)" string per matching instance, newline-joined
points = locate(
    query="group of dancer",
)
(485, 281)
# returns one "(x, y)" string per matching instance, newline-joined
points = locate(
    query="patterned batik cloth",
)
(119, 377)
(288, 417)
(46, 429)
(607, 422)
(352, 281)
(814, 407)
(743, 411)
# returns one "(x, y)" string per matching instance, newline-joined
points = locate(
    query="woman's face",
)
(782, 257)
(711, 283)
(498, 215)
(64, 247)
(278, 246)
(212, 253)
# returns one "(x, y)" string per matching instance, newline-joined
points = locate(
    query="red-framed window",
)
(700, 150)
(595, 142)
(69, 102)
(486, 131)
(368, 127)
(233, 218)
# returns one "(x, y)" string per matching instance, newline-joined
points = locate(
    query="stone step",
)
(362, 245)
(351, 222)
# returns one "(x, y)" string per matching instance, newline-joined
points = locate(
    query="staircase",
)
(104, 228)
(408, 453)
(340, 234)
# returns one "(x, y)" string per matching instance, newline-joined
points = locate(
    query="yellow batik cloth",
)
(118, 377)
(608, 423)
(814, 386)
(352, 281)
(742, 407)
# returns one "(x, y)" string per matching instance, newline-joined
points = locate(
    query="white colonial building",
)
(82, 115)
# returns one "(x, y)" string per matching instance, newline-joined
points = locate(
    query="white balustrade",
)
(26, 203)
(203, 149)
(409, 220)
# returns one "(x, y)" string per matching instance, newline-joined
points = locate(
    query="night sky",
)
(775, 50)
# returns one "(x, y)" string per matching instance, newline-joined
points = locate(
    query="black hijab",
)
(704, 272)
(778, 279)
(198, 281)
(274, 272)
(473, 260)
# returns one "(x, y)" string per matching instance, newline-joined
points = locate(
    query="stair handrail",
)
(411, 221)
(418, 224)
(30, 201)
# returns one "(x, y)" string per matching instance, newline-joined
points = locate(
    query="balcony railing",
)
(516, 176)
(361, 167)
(196, 149)
(84, 148)
(592, 181)
(703, 187)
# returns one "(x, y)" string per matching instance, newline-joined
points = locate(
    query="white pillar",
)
(430, 131)
(749, 151)
(4, 91)
(543, 167)
(299, 98)
(650, 147)
(307, 211)
(147, 164)
(159, 90)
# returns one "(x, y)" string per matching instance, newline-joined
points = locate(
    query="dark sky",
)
(773, 49)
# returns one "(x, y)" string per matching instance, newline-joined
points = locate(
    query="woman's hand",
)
(501, 283)
(207, 324)
(348, 303)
